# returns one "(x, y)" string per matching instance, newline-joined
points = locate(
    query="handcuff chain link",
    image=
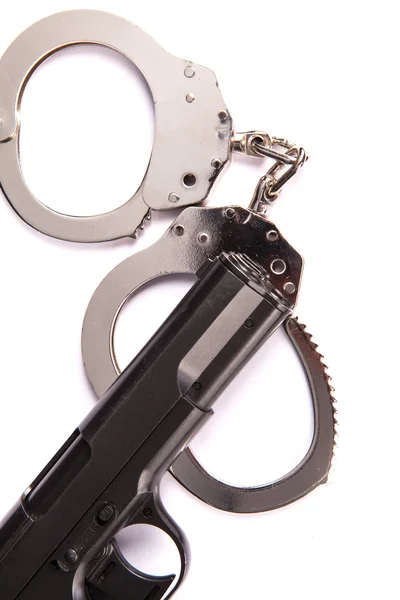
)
(260, 144)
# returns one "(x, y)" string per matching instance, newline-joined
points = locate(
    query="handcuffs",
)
(193, 142)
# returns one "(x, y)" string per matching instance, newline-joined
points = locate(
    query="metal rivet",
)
(289, 287)
(147, 512)
(249, 323)
(278, 266)
(216, 163)
(272, 235)
(196, 386)
(190, 97)
(71, 556)
(202, 237)
(190, 72)
(222, 115)
(230, 213)
(179, 230)
(173, 197)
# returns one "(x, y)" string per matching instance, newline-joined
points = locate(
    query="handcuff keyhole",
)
(189, 180)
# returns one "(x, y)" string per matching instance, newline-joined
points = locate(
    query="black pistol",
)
(57, 543)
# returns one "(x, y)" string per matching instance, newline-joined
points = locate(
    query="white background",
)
(325, 75)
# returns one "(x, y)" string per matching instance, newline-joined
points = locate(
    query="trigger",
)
(115, 579)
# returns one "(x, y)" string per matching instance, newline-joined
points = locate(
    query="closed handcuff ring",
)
(192, 135)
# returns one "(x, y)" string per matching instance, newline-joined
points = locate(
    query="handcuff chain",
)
(260, 144)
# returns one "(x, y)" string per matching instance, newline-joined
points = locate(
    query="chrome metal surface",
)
(245, 142)
(270, 185)
(192, 124)
(260, 144)
(276, 183)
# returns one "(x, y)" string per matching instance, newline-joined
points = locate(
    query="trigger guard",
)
(112, 576)
(172, 254)
(181, 145)
(115, 577)
(159, 518)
